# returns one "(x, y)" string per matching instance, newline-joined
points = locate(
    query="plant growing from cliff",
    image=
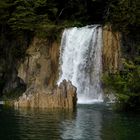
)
(125, 85)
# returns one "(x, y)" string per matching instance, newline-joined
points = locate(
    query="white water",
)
(81, 61)
(1, 102)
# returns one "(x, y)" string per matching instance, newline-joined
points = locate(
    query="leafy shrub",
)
(125, 85)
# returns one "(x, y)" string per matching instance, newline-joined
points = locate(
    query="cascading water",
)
(81, 61)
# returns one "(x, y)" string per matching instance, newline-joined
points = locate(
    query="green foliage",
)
(23, 16)
(4, 11)
(41, 14)
(125, 85)
(124, 15)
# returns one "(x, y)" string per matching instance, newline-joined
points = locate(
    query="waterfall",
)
(81, 61)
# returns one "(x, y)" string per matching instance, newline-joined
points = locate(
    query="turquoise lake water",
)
(88, 122)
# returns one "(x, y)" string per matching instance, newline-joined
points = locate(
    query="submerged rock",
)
(63, 96)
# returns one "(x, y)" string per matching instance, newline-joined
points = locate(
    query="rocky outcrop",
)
(111, 50)
(63, 96)
(40, 67)
(39, 71)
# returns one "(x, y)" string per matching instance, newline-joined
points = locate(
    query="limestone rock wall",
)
(40, 67)
(111, 50)
(62, 96)
(39, 71)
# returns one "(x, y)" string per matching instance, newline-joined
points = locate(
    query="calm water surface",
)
(89, 122)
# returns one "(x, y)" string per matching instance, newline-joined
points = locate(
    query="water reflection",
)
(89, 122)
(42, 124)
(86, 126)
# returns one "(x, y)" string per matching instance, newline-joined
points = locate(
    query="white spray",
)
(81, 61)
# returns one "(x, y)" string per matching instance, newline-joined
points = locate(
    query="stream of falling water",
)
(81, 61)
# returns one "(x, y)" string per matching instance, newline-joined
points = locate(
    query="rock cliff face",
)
(62, 96)
(40, 68)
(40, 71)
(111, 50)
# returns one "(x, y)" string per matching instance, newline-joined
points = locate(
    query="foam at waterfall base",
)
(89, 101)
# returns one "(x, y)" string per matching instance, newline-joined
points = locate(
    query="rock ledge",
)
(63, 96)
